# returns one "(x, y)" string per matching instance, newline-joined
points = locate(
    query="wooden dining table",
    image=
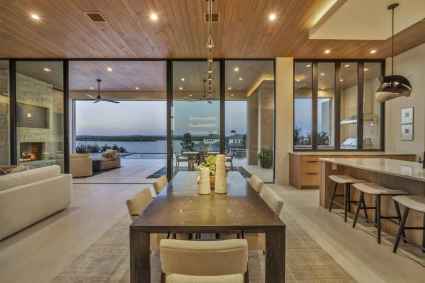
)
(180, 209)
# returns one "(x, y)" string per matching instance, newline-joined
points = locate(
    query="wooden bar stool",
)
(376, 191)
(416, 203)
(346, 181)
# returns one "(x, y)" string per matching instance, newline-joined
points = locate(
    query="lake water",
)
(137, 147)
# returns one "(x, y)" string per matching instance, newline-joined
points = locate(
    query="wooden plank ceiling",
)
(65, 31)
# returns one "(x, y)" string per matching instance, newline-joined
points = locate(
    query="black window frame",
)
(337, 110)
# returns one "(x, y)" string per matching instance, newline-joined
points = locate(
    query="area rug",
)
(107, 260)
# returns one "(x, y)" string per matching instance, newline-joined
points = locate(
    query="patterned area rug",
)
(107, 260)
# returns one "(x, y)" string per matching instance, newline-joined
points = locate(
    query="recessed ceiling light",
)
(322, 74)
(236, 69)
(240, 78)
(209, 71)
(297, 80)
(190, 95)
(347, 65)
(109, 69)
(47, 69)
(327, 51)
(137, 88)
(272, 17)
(35, 17)
(180, 88)
(341, 80)
(232, 94)
(308, 66)
(182, 79)
(229, 88)
(29, 115)
(373, 51)
(153, 17)
(366, 69)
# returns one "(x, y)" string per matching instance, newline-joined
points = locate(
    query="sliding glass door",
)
(195, 113)
(40, 117)
(4, 114)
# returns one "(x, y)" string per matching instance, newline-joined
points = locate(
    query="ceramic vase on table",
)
(220, 175)
(204, 182)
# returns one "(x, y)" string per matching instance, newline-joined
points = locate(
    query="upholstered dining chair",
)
(136, 206)
(179, 278)
(204, 260)
(256, 183)
(257, 241)
(160, 184)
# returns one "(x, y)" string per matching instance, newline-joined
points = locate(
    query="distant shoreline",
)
(120, 138)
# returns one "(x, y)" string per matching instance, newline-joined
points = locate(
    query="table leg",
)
(140, 268)
(275, 255)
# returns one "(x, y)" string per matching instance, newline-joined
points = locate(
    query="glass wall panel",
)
(4, 114)
(371, 108)
(303, 106)
(326, 106)
(249, 116)
(40, 113)
(348, 110)
(135, 125)
(195, 113)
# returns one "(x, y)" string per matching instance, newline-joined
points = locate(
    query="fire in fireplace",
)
(31, 151)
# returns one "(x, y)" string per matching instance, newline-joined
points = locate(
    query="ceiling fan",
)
(99, 98)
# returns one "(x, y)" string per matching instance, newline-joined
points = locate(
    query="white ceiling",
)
(368, 20)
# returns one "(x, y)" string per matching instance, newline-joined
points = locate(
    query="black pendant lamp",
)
(395, 85)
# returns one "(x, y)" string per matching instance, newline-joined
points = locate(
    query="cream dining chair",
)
(204, 261)
(160, 184)
(136, 206)
(257, 241)
(256, 183)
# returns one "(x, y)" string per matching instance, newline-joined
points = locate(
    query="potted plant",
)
(209, 163)
(265, 156)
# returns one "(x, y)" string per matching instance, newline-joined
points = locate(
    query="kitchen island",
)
(395, 174)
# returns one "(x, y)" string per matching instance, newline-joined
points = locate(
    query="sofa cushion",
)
(29, 176)
(110, 154)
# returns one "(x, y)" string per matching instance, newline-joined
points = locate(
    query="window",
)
(4, 113)
(303, 105)
(326, 105)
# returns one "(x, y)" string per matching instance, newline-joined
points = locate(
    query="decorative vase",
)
(204, 182)
(220, 175)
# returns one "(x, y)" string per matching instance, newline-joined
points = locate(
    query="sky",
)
(149, 117)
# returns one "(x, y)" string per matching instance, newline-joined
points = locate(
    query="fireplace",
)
(31, 151)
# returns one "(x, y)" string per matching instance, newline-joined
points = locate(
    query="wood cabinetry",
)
(304, 171)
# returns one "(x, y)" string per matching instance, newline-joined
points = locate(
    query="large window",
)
(249, 115)
(4, 113)
(327, 96)
(40, 113)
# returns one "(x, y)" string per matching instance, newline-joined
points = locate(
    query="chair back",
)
(139, 202)
(204, 258)
(256, 183)
(160, 184)
(273, 200)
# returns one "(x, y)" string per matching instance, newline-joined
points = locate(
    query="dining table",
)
(180, 209)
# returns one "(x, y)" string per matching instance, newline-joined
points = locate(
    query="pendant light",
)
(393, 86)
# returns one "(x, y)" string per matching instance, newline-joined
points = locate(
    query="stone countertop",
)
(360, 153)
(404, 169)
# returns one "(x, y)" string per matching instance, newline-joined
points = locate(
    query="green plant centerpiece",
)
(265, 156)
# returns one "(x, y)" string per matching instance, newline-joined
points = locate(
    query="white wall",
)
(410, 64)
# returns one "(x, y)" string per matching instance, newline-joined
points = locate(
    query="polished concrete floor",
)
(41, 252)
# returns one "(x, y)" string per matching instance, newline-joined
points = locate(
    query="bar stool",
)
(376, 191)
(347, 181)
(416, 203)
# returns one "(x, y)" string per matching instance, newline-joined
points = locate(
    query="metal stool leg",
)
(333, 197)
(397, 209)
(359, 206)
(378, 216)
(346, 200)
(401, 229)
(362, 200)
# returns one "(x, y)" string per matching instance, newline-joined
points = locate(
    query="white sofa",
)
(29, 196)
